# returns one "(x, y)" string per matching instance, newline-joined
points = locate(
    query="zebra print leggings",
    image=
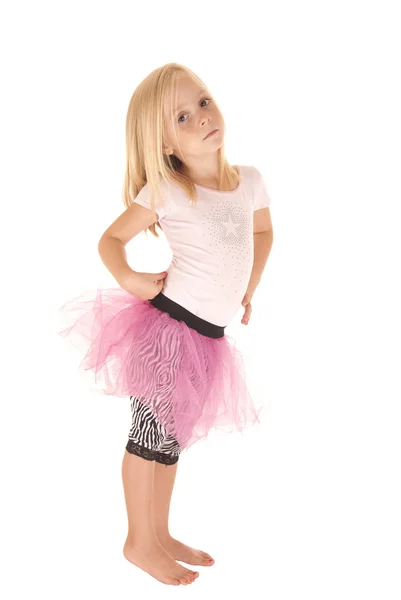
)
(147, 437)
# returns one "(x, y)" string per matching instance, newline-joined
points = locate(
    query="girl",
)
(159, 338)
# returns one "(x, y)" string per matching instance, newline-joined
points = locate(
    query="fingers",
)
(157, 277)
(247, 314)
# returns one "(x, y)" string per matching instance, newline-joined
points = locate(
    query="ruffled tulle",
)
(192, 383)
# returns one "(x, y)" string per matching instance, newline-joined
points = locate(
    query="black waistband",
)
(180, 313)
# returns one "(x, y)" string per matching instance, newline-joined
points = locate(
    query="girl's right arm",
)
(111, 248)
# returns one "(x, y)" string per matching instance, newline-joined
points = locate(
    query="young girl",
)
(159, 338)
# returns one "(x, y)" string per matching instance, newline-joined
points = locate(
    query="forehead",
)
(183, 91)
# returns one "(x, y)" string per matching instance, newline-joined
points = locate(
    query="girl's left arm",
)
(263, 240)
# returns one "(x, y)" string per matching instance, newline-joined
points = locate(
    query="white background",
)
(307, 505)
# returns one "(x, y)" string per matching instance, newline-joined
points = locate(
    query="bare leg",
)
(142, 548)
(164, 478)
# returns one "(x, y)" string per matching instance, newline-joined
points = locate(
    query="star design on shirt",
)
(228, 229)
(231, 227)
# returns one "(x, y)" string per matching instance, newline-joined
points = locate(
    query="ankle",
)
(164, 536)
(140, 539)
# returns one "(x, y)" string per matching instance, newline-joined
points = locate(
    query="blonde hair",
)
(146, 163)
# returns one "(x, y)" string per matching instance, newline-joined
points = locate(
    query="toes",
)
(207, 558)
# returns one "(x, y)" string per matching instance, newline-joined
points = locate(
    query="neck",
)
(203, 169)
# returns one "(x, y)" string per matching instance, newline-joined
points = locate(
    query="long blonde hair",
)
(145, 138)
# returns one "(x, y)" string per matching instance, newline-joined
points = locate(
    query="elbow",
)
(100, 243)
(104, 240)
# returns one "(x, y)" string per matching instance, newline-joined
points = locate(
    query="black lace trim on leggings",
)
(160, 457)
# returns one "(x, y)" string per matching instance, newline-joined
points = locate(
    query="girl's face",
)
(195, 115)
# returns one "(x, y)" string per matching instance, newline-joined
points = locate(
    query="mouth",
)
(210, 133)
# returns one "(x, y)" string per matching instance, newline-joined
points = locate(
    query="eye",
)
(203, 99)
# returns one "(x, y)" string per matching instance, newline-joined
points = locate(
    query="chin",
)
(217, 138)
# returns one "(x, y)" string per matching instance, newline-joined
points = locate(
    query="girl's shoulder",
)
(253, 180)
(250, 173)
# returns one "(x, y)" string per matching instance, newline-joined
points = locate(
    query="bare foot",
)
(155, 560)
(186, 554)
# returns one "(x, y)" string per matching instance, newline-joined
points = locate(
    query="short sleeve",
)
(261, 197)
(162, 206)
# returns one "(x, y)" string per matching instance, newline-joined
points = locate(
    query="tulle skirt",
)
(190, 381)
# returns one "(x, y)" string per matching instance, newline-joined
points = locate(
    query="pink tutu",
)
(191, 382)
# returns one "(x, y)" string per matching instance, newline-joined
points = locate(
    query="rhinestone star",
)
(231, 226)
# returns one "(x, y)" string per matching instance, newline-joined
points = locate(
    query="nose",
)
(204, 122)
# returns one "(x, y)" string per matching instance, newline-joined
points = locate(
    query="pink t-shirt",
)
(211, 242)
